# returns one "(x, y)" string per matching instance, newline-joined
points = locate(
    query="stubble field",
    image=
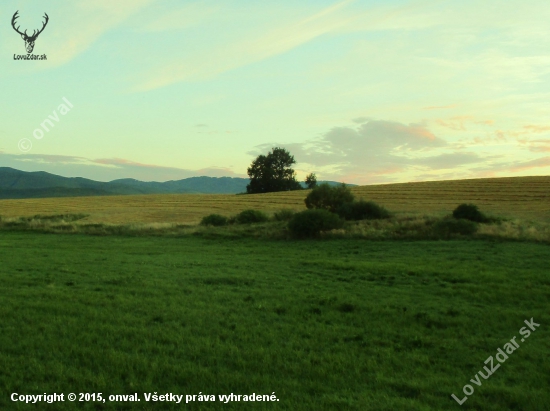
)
(518, 197)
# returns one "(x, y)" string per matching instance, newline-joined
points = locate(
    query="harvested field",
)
(517, 197)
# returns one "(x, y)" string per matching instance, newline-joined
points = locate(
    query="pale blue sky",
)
(359, 91)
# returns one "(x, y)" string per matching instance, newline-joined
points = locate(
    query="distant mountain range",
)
(39, 184)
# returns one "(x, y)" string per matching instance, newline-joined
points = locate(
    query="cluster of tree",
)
(273, 172)
(328, 208)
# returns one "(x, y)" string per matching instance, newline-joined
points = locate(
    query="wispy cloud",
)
(532, 164)
(189, 15)
(255, 46)
(505, 168)
(100, 17)
(439, 107)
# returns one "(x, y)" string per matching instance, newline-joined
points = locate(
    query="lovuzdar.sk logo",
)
(29, 40)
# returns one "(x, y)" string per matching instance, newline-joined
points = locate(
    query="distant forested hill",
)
(40, 184)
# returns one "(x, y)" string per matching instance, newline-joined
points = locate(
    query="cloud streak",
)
(252, 48)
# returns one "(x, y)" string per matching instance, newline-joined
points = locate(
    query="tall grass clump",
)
(216, 220)
(67, 218)
(250, 217)
(311, 223)
(447, 227)
(283, 215)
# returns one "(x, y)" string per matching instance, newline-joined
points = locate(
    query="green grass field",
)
(341, 324)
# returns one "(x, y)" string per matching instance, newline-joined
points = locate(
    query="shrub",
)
(469, 212)
(283, 215)
(214, 219)
(328, 197)
(251, 216)
(311, 223)
(362, 210)
(449, 226)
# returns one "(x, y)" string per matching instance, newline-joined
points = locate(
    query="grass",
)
(525, 198)
(401, 227)
(340, 324)
(150, 301)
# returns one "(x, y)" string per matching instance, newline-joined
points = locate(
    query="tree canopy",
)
(272, 172)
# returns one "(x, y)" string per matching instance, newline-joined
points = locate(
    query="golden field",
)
(517, 197)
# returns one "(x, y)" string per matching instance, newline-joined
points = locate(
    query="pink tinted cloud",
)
(123, 162)
(536, 128)
(458, 123)
(529, 165)
(51, 158)
(439, 107)
(485, 122)
(417, 131)
(209, 171)
(454, 123)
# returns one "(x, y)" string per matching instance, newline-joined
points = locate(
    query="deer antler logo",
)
(29, 40)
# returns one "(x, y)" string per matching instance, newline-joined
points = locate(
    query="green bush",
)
(283, 215)
(251, 216)
(311, 223)
(214, 219)
(362, 210)
(469, 212)
(449, 226)
(328, 197)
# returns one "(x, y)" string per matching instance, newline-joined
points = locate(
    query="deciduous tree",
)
(272, 173)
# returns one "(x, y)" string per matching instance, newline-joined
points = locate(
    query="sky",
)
(359, 91)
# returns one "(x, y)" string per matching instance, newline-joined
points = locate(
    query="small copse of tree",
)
(363, 210)
(311, 223)
(330, 198)
(340, 200)
(470, 212)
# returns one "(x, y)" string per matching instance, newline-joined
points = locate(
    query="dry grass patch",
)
(518, 197)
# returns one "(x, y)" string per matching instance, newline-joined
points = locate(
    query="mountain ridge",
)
(17, 184)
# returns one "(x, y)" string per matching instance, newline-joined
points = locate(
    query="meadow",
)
(153, 303)
(326, 324)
